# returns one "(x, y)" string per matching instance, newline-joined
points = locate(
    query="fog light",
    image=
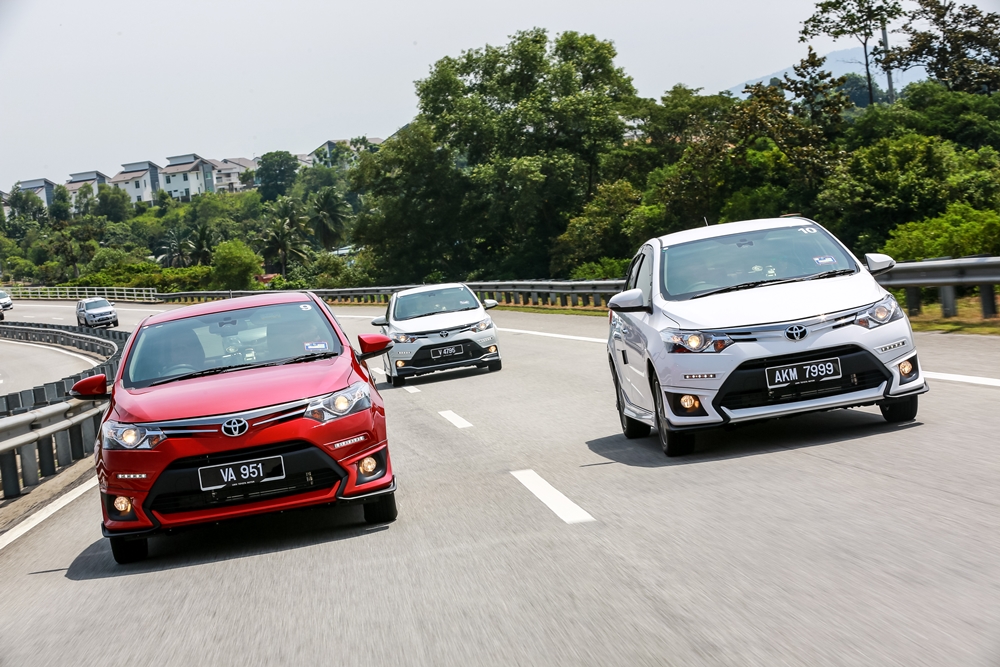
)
(400, 363)
(367, 466)
(493, 348)
(906, 369)
(123, 504)
(689, 402)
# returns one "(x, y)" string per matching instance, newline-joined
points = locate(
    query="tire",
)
(899, 409)
(397, 381)
(129, 551)
(79, 322)
(382, 510)
(674, 443)
(632, 428)
(113, 324)
(494, 366)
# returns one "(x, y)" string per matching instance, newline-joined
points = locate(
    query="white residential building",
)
(42, 187)
(84, 179)
(188, 175)
(228, 170)
(140, 180)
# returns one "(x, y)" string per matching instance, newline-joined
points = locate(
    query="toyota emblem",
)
(443, 334)
(796, 332)
(235, 427)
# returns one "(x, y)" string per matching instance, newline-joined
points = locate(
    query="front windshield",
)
(97, 305)
(3, 295)
(784, 253)
(230, 338)
(444, 300)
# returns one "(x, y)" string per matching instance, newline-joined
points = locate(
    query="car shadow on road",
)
(750, 440)
(229, 540)
(439, 376)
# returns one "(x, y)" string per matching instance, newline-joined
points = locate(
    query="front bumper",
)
(418, 358)
(738, 392)
(6, 306)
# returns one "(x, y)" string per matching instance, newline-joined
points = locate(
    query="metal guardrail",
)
(946, 274)
(39, 428)
(137, 294)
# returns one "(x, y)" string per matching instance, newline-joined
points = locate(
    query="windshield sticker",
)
(318, 346)
(825, 260)
(757, 268)
(269, 318)
(305, 306)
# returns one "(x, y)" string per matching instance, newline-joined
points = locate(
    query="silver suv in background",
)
(5, 301)
(96, 312)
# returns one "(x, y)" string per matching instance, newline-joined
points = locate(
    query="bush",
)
(234, 265)
(186, 279)
(959, 232)
(606, 268)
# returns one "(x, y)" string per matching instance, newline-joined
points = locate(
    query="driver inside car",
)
(180, 352)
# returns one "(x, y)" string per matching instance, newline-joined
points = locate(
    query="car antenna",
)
(706, 220)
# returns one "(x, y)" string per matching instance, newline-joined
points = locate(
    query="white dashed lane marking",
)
(377, 370)
(554, 335)
(412, 390)
(564, 508)
(455, 419)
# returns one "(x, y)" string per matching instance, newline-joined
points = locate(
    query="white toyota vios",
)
(437, 327)
(755, 320)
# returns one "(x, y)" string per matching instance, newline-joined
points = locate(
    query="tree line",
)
(538, 159)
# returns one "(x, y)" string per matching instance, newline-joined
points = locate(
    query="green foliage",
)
(855, 87)
(113, 203)
(603, 228)
(279, 283)
(276, 174)
(146, 275)
(234, 265)
(960, 231)
(61, 207)
(285, 237)
(605, 268)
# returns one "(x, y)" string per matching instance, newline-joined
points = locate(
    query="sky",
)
(92, 85)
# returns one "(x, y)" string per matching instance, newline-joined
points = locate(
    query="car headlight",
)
(341, 403)
(482, 326)
(403, 338)
(115, 435)
(883, 312)
(695, 341)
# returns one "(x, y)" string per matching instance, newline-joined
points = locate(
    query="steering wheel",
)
(179, 369)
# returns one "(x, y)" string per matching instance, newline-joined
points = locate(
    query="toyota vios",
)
(753, 320)
(436, 327)
(238, 407)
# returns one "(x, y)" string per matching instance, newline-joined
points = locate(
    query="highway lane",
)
(23, 366)
(831, 539)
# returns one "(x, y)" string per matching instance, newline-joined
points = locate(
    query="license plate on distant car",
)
(805, 373)
(241, 473)
(446, 351)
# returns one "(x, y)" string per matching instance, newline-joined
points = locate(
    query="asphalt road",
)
(829, 539)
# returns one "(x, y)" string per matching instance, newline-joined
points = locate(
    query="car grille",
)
(746, 387)
(307, 468)
(422, 358)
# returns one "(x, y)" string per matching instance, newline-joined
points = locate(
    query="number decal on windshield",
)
(807, 230)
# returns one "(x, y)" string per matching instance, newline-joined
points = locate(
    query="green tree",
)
(286, 233)
(113, 203)
(234, 265)
(328, 215)
(960, 231)
(175, 249)
(959, 45)
(602, 230)
(203, 240)
(86, 202)
(61, 208)
(858, 19)
(247, 178)
(276, 174)
(818, 98)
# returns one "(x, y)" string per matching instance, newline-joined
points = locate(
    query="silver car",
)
(5, 301)
(437, 327)
(96, 312)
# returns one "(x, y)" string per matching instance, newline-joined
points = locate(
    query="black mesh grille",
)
(423, 358)
(746, 387)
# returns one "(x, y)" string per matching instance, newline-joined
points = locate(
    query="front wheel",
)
(899, 409)
(494, 365)
(129, 551)
(674, 443)
(114, 324)
(382, 510)
(397, 381)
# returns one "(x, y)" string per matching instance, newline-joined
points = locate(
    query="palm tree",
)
(285, 235)
(328, 216)
(175, 249)
(203, 239)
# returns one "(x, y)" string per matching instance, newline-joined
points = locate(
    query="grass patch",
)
(969, 320)
(593, 312)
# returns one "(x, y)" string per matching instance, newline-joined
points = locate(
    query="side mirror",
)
(372, 345)
(878, 263)
(380, 322)
(489, 303)
(111, 302)
(629, 301)
(94, 388)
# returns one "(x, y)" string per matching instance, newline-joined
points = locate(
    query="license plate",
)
(805, 373)
(241, 473)
(446, 351)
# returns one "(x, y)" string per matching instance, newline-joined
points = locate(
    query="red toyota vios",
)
(238, 407)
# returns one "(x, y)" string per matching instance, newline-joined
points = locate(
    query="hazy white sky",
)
(90, 85)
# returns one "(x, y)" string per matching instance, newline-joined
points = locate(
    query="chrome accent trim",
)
(187, 431)
(281, 416)
(217, 420)
(776, 330)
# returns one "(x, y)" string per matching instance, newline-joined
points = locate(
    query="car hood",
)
(775, 303)
(440, 321)
(232, 392)
(100, 311)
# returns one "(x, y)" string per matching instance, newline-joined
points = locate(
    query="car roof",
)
(427, 288)
(221, 306)
(94, 298)
(722, 229)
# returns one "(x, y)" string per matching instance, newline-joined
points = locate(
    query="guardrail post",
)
(913, 301)
(29, 464)
(988, 300)
(46, 458)
(76, 442)
(949, 308)
(88, 434)
(64, 454)
(8, 474)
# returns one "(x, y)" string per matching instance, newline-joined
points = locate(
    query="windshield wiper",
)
(828, 274)
(777, 281)
(308, 357)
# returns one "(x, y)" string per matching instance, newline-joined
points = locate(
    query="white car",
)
(436, 327)
(754, 320)
(96, 312)
(5, 301)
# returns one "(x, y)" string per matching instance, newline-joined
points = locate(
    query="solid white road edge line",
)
(412, 390)
(971, 379)
(454, 419)
(41, 515)
(564, 508)
(553, 335)
(90, 361)
(377, 370)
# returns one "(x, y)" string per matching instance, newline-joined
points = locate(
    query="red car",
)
(239, 407)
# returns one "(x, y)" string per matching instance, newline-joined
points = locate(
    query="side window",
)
(644, 276)
(633, 272)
